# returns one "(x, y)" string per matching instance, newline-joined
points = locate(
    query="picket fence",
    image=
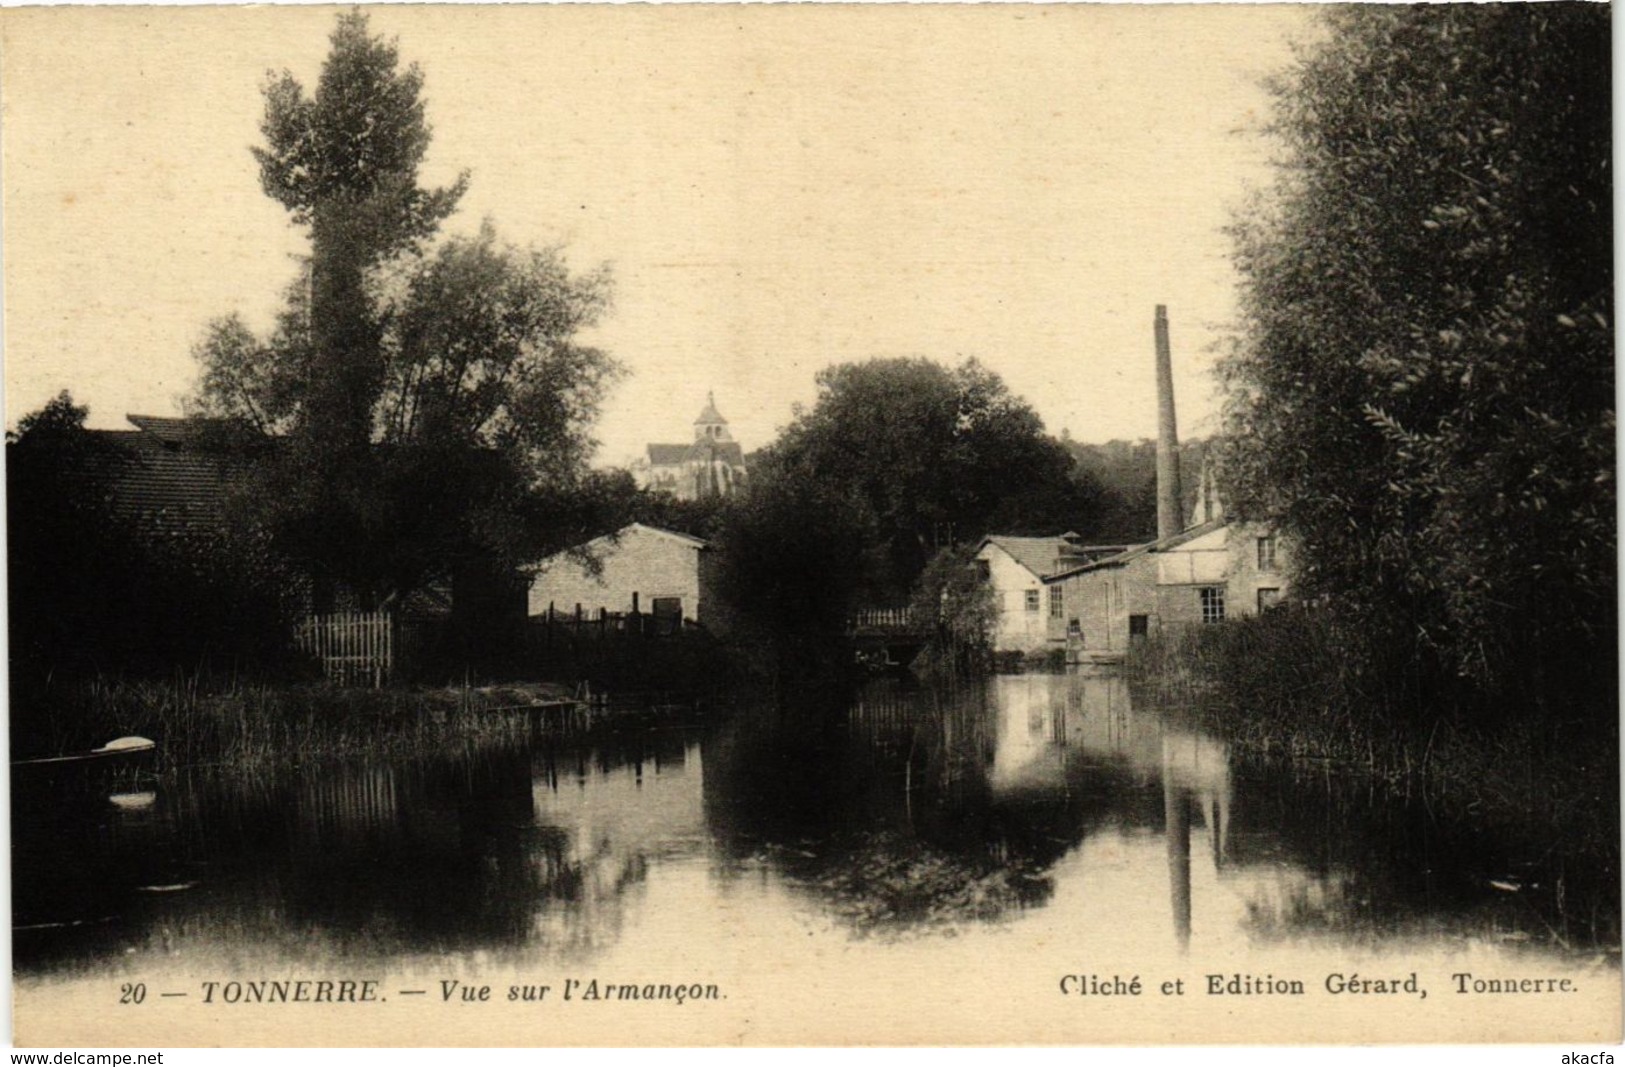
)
(881, 619)
(354, 647)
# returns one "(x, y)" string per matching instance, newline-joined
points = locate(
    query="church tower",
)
(711, 426)
(710, 465)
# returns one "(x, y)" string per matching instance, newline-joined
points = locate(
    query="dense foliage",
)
(958, 608)
(95, 592)
(1423, 391)
(1126, 472)
(793, 555)
(344, 162)
(928, 456)
(432, 404)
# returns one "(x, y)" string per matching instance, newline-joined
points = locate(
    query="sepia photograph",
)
(811, 525)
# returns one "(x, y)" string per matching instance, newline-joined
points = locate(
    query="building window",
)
(1139, 626)
(1213, 603)
(1267, 599)
(1032, 600)
(1266, 553)
(1057, 601)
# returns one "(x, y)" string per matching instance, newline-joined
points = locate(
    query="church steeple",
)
(711, 426)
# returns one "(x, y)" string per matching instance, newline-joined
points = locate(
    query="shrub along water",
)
(1296, 684)
(260, 727)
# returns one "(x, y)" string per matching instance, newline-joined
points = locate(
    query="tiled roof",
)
(668, 455)
(676, 455)
(174, 433)
(1037, 554)
(1141, 550)
(160, 479)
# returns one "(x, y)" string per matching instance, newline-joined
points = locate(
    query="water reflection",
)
(1049, 802)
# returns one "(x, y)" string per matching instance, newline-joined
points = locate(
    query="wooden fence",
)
(355, 647)
(882, 619)
(375, 648)
(602, 624)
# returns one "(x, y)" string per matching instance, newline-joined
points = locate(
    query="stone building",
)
(1015, 568)
(1210, 572)
(712, 465)
(656, 572)
(1201, 571)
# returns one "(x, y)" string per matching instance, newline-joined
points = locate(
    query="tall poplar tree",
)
(344, 162)
(431, 406)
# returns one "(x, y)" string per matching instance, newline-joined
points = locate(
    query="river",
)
(806, 874)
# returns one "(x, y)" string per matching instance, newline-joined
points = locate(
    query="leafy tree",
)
(344, 162)
(792, 555)
(1422, 393)
(957, 604)
(481, 352)
(59, 424)
(432, 405)
(930, 456)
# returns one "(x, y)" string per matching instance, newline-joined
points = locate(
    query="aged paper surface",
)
(775, 189)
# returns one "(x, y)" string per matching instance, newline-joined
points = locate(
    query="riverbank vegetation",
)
(1293, 692)
(1421, 399)
(241, 728)
(1421, 392)
(1294, 685)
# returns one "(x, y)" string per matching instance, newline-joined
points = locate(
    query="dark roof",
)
(668, 455)
(179, 433)
(675, 455)
(1038, 554)
(1142, 550)
(164, 479)
(168, 430)
(174, 490)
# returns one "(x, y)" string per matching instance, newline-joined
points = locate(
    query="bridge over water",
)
(885, 637)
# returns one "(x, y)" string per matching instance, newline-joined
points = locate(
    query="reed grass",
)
(246, 726)
(1295, 685)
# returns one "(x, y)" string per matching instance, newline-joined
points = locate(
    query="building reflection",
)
(899, 812)
(1060, 734)
(927, 808)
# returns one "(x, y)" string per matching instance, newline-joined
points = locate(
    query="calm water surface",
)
(1024, 829)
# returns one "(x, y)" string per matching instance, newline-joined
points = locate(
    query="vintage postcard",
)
(810, 525)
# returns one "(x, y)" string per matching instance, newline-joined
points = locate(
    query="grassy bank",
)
(1292, 685)
(212, 719)
(246, 727)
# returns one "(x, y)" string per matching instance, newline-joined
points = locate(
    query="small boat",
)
(116, 751)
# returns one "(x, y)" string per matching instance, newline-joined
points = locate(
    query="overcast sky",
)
(776, 188)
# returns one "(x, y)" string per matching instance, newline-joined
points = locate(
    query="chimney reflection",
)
(1195, 771)
(1177, 821)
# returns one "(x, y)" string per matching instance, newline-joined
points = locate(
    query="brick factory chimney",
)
(1170, 496)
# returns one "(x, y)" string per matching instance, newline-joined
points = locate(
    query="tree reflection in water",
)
(896, 812)
(488, 852)
(897, 818)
